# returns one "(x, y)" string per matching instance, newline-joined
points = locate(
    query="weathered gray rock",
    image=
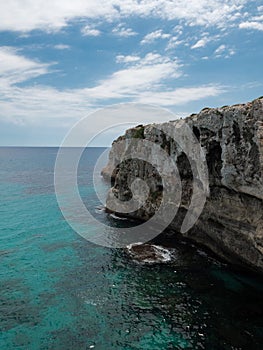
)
(231, 223)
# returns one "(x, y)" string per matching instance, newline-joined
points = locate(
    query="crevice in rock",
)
(196, 131)
(214, 162)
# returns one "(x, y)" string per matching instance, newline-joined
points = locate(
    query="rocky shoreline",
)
(231, 223)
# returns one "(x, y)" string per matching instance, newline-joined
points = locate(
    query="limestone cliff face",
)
(231, 223)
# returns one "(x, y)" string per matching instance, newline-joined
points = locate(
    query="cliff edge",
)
(231, 223)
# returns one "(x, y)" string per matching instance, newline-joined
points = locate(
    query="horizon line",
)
(41, 146)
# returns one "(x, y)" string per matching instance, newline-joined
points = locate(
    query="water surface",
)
(59, 291)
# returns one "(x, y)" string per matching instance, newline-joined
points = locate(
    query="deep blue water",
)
(59, 291)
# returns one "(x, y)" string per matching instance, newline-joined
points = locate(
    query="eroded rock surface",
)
(231, 223)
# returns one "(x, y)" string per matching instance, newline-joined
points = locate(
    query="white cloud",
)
(205, 39)
(53, 15)
(16, 68)
(89, 31)
(61, 47)
(220, 49)
(174, 42)
(33, 103)
(178, 30)
(158, 34)
(127, 59)
(181, 95)
(50, 15)
(254, 22)
(143, 80)
(148, 73)
(201, 12)
(200, 43)
(251, 25)
(37, 103)
(41, 105)
(225, 51)
(120, 30)
(258, 18)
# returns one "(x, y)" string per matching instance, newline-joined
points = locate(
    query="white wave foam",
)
(117, 217)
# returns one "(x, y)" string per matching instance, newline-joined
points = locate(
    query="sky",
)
(62, 60)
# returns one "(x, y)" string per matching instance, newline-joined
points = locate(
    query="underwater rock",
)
(149, 253)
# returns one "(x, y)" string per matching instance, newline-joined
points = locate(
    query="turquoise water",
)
(59, 291)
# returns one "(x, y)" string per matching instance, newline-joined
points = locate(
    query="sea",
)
(59, 291)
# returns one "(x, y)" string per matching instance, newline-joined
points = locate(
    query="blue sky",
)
(61, 60)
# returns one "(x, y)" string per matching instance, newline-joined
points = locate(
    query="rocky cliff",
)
(231, 223)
